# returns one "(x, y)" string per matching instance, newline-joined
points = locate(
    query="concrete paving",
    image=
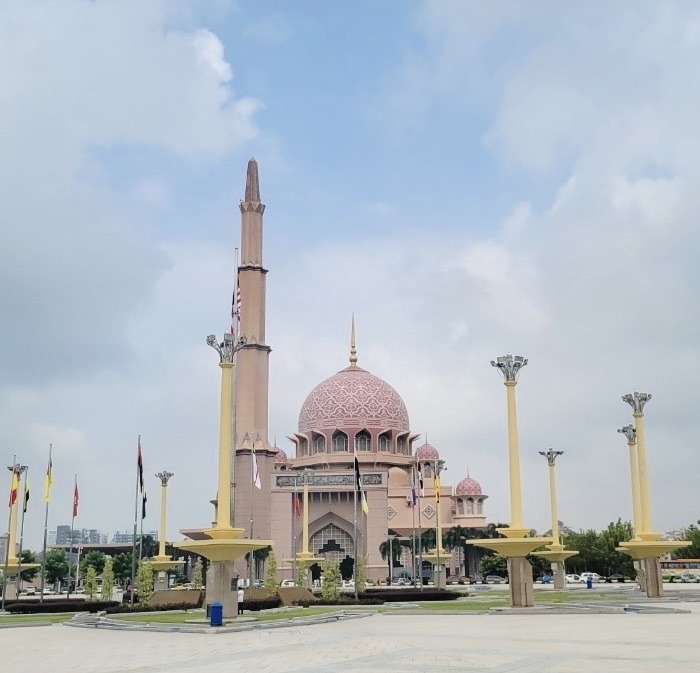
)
(497, 643)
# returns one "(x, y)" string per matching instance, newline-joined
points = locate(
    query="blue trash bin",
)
(216, 614)
(589, 583)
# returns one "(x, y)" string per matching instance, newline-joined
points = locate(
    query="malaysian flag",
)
(236, 308)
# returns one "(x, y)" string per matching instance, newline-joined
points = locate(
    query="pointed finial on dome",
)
(468, 476)
(252, 183)
(353, 350)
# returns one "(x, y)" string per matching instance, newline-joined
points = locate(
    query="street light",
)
(509, 367)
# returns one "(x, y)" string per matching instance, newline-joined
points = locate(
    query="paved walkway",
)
(504, 643)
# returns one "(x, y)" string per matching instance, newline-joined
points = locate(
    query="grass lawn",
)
(29, 619)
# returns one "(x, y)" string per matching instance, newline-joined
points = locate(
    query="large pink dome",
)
(468, 486)
(427, 452)
(353, 398)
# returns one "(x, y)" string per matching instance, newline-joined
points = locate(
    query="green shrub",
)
(33, 607)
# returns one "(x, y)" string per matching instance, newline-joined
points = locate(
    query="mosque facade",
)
(351, 413)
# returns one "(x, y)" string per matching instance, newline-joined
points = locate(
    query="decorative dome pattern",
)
(427, 452)
(468, 486)
(280, 456)
(353, 398)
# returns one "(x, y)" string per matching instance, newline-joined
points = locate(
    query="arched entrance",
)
(336, 545)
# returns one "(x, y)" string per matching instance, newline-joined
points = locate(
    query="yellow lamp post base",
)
(512, 547)
(437, 556)
(14, 564)
(162, 563)
(556, 553)
(218, 549)
(644, 549)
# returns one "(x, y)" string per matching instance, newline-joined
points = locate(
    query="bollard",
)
(216, 614)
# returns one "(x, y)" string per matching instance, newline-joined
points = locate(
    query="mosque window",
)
(331, 542)
(479, 506)
(303, 447)
(340, 441)
(363, 441)
(385, 442)
(470, 505)
(460, 506)
(319, 443)
(427, 470)
(401, 444)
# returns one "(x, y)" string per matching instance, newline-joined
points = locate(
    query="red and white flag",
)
(76, 497)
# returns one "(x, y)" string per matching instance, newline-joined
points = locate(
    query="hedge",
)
(412, 595)
(31, 607)
(339, 601)
(257, 604)
(121, 608)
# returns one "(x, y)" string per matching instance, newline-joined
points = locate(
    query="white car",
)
(595, 577)
(573, 579)
(288, 583)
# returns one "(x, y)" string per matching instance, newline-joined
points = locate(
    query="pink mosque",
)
(352, 410)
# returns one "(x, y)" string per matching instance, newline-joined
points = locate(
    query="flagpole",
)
(354, 536)
(251, 568)
(235, 330)
(133, 538)
(47, 497)
(21, 530)
(9, 526)
(295, 505)
(72, 525)
(420, 528)
(413, 519)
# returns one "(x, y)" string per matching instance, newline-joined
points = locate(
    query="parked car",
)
(616, 578)
(288, 583)
(573, 579)
(689, 577)
(595, 577)
(494, 579)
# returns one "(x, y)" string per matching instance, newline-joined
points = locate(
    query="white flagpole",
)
(251, 567)
(72, 528)
(133, 538)
(21, 531)
(420, 528)
(47, 498)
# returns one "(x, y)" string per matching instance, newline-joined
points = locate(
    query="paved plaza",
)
(497, 643)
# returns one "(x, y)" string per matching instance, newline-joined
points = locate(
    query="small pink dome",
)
(427, 452)
(468, 486)
(280, 456)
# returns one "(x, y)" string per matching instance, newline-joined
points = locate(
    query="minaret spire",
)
(353, 350)
(252, 183)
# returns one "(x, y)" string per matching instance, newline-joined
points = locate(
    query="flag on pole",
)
(413, 495)
(26, 495)
(296, 505)
(437, 487)
(14, 486)
(76, 498)
(143, 504)
(254, 471)
(48, 480)
(358, 484)
(421, 488)
(139, 465)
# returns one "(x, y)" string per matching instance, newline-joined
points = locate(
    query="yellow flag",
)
(365, 506)
(437, 488)
(48, 481)
(14, 486)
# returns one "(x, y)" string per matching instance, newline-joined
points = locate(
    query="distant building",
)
(80, 536)
(128, 536)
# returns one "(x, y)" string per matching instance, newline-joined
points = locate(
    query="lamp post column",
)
(164, 477)
(630, 433)
(227, 350)
(509, 366)
(637, 401)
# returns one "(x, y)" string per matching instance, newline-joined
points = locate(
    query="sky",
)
(470, 179)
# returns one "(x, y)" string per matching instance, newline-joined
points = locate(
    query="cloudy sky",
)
(470, 179)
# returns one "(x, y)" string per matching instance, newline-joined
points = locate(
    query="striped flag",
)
(48, 480)
(139, 465)
(236, 308)
(26, 494)
(421, 488)
(413, 495)
(76, 498)
(437, 488)
(296, 505)
(143, 503)
(14, 487)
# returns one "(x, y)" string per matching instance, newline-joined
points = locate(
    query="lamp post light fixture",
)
(631, 435)
(509, 367)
